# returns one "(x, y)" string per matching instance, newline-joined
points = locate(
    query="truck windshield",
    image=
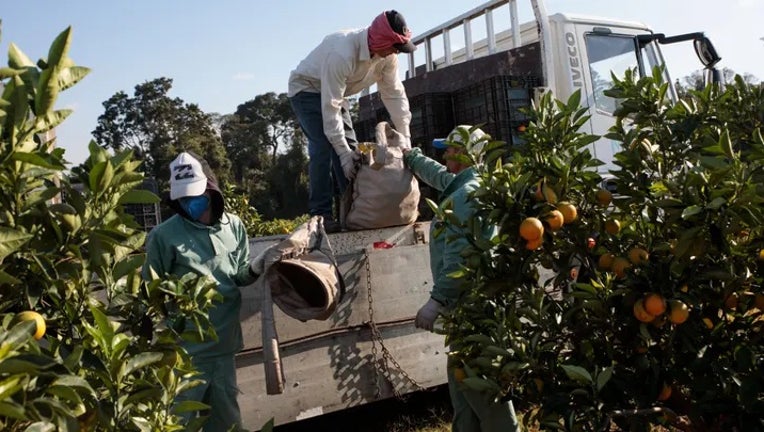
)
(612, 54)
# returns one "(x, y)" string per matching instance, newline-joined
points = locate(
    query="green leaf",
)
(9, 387)
(189, 406)
(11, 240)
(71, 76)
(139, 196)
(691, 211)
(141, 360)
(577, 373)
(37, 160)
(17, 59)
(603, 377)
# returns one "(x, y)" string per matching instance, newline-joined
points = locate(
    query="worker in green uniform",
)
(473, 411)
(203, 239)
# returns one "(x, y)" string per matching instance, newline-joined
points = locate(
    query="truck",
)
(369, 349)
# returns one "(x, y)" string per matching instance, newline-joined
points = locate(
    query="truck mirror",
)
(706, 52)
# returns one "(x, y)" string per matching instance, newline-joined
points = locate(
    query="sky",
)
(223, 53)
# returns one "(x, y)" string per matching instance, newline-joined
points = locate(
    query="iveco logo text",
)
(575, 65)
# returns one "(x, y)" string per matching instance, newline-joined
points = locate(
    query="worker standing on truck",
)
(203, 239)
(344, 64)
(473, 411)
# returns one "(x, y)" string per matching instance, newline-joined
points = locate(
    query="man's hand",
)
(405, 142)
(425, 318)
(349, 161)
(259, 264)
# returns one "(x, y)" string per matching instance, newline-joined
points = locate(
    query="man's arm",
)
(428, 170)
(243, 274)
(334, 73)
(393, 95)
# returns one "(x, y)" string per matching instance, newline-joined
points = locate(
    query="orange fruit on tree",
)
(761, 255)
(605, 261)
(707, 321)
(604, 197)
(684, 288)
(534, 244)
(531, 228)
(731, 301)
(612, 226)
(641, 314)
(665, 393)
(555, 220)
(655, 304)
(678, 311)
(459, 374)
(32, 316)
(569, 212)
(638, 256)
(620, 266)
(759, 301)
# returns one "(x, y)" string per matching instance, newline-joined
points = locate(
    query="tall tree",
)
(697, 80)
(158, 127)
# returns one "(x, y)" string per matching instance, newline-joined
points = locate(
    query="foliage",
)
(556, 325)
(158, 127)
(108, 361)
(255, 136)
(238, 204)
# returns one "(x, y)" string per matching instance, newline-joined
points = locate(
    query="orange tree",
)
(648, 301)
(107, 357)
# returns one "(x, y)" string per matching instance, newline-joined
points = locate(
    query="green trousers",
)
(219, 392)
(476, 412)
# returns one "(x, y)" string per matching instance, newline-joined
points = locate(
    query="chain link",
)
(376, 338)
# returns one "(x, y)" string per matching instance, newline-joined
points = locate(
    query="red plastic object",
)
(382, 245)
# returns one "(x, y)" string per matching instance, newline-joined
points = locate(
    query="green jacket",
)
(446, 248)
(179, 246)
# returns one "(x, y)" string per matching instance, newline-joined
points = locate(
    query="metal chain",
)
(387, 357)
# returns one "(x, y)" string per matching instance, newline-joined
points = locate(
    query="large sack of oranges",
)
(626, 306)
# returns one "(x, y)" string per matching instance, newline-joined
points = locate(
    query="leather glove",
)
(349, 161)
(425, 318)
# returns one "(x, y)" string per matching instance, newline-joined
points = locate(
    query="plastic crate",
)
(432, 116)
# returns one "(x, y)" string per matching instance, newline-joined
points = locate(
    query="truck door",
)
(607, 51)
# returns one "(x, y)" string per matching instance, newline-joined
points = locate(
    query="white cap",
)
(456, 137)
(186, 177)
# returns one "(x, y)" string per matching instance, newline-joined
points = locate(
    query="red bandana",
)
(382, 36)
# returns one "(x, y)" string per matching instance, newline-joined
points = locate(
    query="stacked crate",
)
(146, 215)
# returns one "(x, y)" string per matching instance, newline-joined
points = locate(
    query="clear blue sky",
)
(223, 53)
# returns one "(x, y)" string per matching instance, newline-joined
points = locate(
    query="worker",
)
(473, 411)
(203, 239)
(344, 64)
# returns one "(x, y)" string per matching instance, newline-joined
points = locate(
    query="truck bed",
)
(332, 365)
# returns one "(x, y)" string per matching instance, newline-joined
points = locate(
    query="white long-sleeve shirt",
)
(341, 66)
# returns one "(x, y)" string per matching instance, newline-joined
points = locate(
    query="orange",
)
(684, 288)
(708, 323)
(606, 261)
(459, 374)
(665, 393)
(555, 220)
(32, 316)
(761, 255)
(731, 301)
(655, 304)
(603, 197)
(620, 266)
(531, 228)
(569, 211)
(759, 301)
(638, 256)
(612, 226)
(534, 244)
(641, 314)
(678, 311)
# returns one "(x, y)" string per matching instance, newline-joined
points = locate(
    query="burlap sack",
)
(384, 192)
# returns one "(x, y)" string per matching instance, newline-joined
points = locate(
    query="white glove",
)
(425, 318)
(406, 143)
(349, 161)
(259, 264)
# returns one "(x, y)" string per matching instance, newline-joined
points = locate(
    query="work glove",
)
(425, 318)
(349, 161)
(405, 142)
(259, 264)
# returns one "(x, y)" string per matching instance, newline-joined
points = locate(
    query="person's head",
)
(455, 144)
(194, 192)
(388, 34)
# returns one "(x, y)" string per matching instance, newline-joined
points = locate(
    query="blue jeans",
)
(323, 160)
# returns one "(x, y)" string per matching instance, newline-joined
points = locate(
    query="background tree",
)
(697, 80)
(158, 127)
